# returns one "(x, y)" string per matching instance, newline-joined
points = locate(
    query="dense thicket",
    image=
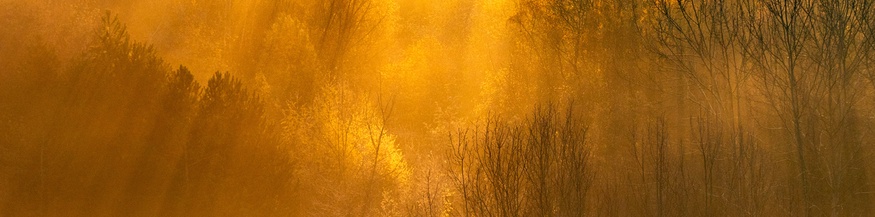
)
(119, 133)
(447, 108)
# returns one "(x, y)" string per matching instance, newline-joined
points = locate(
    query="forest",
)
(425, 108)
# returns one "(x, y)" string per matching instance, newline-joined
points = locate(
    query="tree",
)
(540, 167)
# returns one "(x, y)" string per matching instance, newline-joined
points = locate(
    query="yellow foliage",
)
(343, 140)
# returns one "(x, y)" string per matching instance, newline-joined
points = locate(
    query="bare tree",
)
(538, 168)
(838, 59)
(342, 25)
(808, 56)
(779, 31)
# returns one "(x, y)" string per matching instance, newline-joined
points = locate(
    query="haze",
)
(437, 108)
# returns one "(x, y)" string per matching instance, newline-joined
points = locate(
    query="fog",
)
(437, 108)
